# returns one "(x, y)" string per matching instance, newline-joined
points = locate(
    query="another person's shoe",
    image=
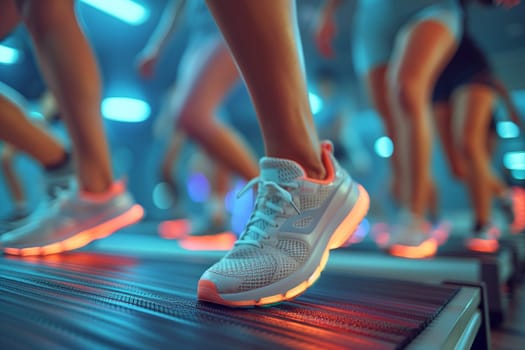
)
(485, 239)
(212, 219)
(412, 237)
(73, 220)
(56, 181)
(285, 245)
(516, 202)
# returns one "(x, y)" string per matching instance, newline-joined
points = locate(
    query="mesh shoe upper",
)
(66, 216)
(288, 226)
(410, 230)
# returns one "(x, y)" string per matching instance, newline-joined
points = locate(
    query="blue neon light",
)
(384, 147)
(126, 10)
(125, 109)
(8, 55)
(198, 188)
(316, 103)
(514, 160)
(507, 129)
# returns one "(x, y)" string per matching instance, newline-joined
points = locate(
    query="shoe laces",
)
(253, 233)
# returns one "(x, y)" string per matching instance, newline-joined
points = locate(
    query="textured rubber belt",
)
(90, 300)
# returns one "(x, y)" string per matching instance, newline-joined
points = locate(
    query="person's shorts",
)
(378, 22)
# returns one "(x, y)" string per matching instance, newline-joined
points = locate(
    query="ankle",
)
(105, 194)
(62, 162)
(479, 225)
(316, 173)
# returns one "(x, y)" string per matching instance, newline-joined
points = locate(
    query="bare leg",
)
(13, 183)
(170, 159)
(220, 184)
(452, 135)
(68, 64)
(211, 73)
(432, 201)
(70, 70)
(473, 108)
(443, 113)
(499, 188)
(9, 17)
(25, 136)
(421, 52)
(378, 89)
(275, 77)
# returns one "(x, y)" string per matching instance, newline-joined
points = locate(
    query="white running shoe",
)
(412, 238)
(73, 220)
(285, 245)
(484, 240)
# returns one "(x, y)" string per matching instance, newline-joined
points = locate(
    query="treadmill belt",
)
(92, 300)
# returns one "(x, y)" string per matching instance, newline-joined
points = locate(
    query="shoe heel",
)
(351, 222)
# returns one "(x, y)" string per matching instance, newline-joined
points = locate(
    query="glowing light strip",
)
(8, 55)
(514, 160)
(507, 129)
(316, 103)
(125, 109)
(125, 10)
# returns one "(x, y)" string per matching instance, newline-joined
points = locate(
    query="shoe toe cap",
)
(222, 283)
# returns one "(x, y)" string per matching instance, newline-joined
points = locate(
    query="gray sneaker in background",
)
(73, 220)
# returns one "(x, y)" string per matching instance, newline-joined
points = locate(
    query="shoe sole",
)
(81, 239)
(481, 245)
(208, 292)
(426, 249)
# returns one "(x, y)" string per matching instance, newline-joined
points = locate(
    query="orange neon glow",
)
(292, 293)
(80, 240)
(219, 241)
(311, 280)
(518, 201)
(207, 291)
(52, 248)
(272, 300)
(174, 229)
(12, 251)
(133, 215)
(425, 250)
(483, 245)
(30, 251)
